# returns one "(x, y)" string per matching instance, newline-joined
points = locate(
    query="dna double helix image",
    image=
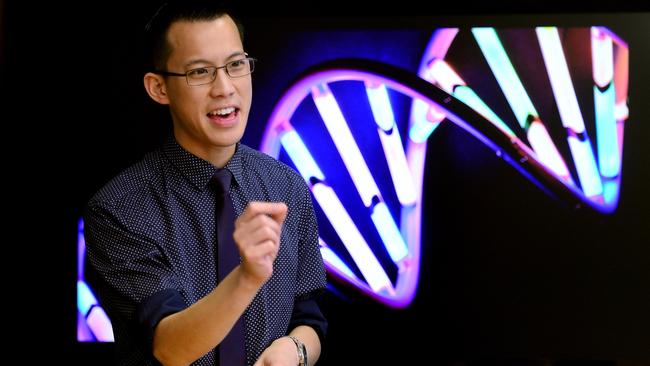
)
(374, 241)
(551, 102)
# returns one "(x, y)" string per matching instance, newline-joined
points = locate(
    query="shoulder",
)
(267, 166)
(132, 184)
(271, 178)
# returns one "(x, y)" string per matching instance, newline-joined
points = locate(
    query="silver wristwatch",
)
(302, 351)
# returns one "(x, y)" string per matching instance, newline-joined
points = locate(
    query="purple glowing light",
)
(92, 322)
(535, 155)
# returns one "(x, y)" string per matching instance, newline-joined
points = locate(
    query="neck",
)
(218, 156)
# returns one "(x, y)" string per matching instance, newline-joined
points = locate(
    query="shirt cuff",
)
(154, 308)
(307, 312)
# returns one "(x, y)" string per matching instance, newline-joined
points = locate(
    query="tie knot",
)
(221, 180)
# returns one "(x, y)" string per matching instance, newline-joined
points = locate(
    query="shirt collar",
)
(199, 171)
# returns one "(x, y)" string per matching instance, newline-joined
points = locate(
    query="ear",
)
(156, 87)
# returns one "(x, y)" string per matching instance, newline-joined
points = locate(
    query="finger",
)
(280, 212)
(260, 221)
(247, 214)
(251, 218)
(261, 235)
(260, 253)
(276, 210)
(260, 228)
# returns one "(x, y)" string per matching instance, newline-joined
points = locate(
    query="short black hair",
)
(157, 48)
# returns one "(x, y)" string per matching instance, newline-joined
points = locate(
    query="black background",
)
(492, 288)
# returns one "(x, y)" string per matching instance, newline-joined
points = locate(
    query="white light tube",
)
(398, 166)
(586, 166)
(345, 143)
(391, 143)
(546, 151)
(352, 239)
(426, 118)
(389, 232)
(301, 157)
(567, 103)
(505, 73)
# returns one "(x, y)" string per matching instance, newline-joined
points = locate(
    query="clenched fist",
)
(257, 235)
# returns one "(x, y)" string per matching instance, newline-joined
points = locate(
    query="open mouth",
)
(223, 114)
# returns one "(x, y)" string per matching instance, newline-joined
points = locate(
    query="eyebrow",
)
(204, 61)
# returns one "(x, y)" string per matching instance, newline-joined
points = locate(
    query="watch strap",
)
(302, 351)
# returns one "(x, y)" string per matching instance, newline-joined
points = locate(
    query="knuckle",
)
(236, 235)
(268, 232)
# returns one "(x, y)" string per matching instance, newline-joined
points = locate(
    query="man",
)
(153, 239)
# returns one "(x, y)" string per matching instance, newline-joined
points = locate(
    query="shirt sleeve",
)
(136, 283)
(311, 273)
(307, 312)
(311, 270)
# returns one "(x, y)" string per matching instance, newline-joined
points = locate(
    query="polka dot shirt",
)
(151, 246)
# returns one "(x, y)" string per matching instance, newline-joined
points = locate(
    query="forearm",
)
(183, 337)
(309, 337)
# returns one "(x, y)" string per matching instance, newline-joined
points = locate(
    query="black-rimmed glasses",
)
(207, 74)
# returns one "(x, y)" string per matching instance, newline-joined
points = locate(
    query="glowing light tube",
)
(349, 151)
(505, 73)
(567, 103)
(333, 260)
(426, 119)
(543, 145)
(469, 97)
(621, 111)
(602, 56)
(100, 324)
(85, 298)
(302, 159)
(81, 249)
(621, 81)
(421, 123)
(399, 172)
(520, 102)
(444, 76)
(441, 74)
(610, 192)
(391, 143)
(586, 166)
(609, 160)
(345, 143)
(352, 239)
(389, 232)
(380, 105)
(558, 73)
(95, 317)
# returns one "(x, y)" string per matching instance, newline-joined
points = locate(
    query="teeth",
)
(223, 111)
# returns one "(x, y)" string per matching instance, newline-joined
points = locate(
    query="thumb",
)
(279, 212)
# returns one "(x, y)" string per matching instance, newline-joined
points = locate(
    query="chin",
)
(226, 141)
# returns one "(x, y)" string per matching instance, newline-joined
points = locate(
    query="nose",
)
(222, 84)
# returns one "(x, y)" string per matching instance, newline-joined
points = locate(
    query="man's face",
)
(207, 118)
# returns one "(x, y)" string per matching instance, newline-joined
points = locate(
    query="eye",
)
(238, 63)
(201, 72)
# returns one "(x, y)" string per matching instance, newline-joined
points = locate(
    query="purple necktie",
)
(231, 349)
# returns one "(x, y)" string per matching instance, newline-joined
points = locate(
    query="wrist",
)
(301, 350)
(247, 281)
